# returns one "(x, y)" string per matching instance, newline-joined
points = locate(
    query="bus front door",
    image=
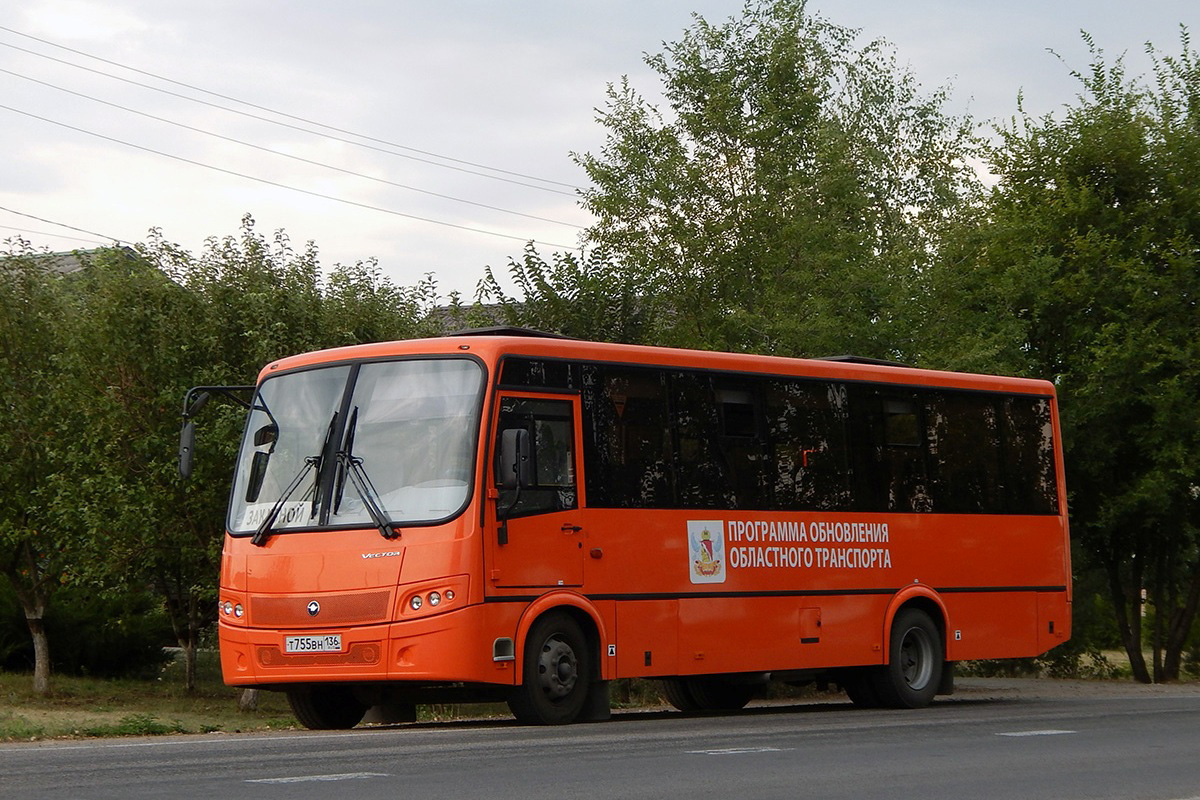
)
(538, 538)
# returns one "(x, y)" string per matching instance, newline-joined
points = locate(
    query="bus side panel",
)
(749, 635)
(1054, 619)
(991, 625)
(647, 637)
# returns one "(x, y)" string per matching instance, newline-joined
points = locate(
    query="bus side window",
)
(625, 419)
(889, 451)
(701, 473)
(806, 429)
(743, 442)
(552, 446)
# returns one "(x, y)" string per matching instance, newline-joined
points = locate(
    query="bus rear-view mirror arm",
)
(194, 400)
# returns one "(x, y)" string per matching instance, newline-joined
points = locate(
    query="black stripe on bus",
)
(629, 596)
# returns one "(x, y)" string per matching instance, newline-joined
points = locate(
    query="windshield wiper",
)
(352, 467)
(264, 530)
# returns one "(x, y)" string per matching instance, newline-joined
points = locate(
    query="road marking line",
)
(738, 751)
(1036, 733)
(345, 776)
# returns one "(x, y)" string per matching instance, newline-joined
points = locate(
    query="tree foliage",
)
(787, 197)
(1083, 266)
(31, 388)
(95, 365)
(587, 298)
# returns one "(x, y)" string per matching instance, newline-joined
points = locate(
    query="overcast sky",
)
(496, 94)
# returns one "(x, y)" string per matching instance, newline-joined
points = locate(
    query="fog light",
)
(415, 602)
(434, 598)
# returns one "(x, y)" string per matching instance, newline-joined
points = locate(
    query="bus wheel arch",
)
(559, 674)
(913, 668)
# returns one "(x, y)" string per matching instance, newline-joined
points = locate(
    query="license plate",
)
(331, 643)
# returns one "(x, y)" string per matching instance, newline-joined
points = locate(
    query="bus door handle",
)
(569, 528)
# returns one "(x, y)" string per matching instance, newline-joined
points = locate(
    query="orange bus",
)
(508, 515)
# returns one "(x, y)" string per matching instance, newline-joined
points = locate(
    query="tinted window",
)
(702, 478)
(552, 444)
(538, 373)
(964, 452)
(1030, 484)
(627, 457)
(806, 428)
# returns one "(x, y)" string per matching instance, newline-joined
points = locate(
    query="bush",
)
(102, 634)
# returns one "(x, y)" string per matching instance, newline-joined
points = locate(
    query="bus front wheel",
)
(326, 708)
(556, 675)
(916, 656)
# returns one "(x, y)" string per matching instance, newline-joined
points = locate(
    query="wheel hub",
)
(916, 658)
(558, 669)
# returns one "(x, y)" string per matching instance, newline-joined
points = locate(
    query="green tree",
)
(790, 194)
(1083, 266)
(31, 384)
(129, 360)
(587, 298)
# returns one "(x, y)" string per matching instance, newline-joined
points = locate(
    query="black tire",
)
(679, 694)
(859, 685)
(557, 673)
(692, 695)
(326, 708)
(714, 694)
(916, 656)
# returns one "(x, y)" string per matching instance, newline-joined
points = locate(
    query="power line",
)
(283, 185)
(48, 233)
(289, 155)
(61, 224)
(286, 116)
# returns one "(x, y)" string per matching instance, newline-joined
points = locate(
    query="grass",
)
(91, 707)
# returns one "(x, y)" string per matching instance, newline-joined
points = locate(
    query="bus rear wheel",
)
(916, 657)
(326, 708)
(556, 675)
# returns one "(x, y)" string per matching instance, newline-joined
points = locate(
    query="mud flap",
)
(596, 707)
(946, 686)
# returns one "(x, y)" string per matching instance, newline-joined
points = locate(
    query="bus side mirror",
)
(267, 434)
(516, 470)
(187, 434)
(187, 444)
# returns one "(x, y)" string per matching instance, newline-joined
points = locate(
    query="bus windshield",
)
(407, 426)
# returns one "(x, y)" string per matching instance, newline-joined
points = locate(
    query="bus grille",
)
(336, 609)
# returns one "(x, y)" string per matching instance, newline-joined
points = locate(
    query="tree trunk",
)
(1131, 630)
(41, 655)
(189, 663)
(248, 700)
(1181, 626)
(27, 584)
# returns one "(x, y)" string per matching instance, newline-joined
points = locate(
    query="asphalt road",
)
(990, 740)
